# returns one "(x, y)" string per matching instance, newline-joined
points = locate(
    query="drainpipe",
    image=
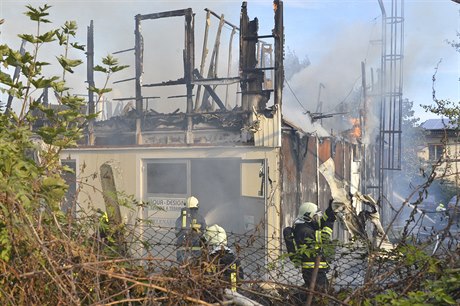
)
(317, 171)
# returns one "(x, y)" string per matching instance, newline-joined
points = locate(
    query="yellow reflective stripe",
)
(233, 277)
(318, 239)
(311, 265)
(327, 230)
(193, 248)
(105, 217)
(184, 219)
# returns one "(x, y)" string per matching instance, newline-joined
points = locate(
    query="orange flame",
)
(356, 130)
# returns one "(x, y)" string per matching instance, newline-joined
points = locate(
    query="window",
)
(253, 178)
(435, 151)
(167, 178)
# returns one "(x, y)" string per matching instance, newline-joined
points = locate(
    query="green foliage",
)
(38, 14)
(32, 189)
(429, 281)
(110, 66)
(438, 292)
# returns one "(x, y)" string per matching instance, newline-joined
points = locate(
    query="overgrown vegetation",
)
(42, 250)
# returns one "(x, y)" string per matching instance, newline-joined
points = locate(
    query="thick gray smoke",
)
(339, 70)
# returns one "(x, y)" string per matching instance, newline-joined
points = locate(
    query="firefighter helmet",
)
(215, 235)
(307, 209)
(192, 202)
(440, 207)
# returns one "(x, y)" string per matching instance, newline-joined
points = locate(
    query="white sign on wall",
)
(164, 211)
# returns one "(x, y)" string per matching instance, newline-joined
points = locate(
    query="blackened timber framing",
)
(189, 60)
(213, 65)
(210, 91)
(203, 57)
(250, 81)
(279, 51)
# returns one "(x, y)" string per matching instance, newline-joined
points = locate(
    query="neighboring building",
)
(442, 144)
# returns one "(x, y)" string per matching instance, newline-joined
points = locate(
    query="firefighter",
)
(190, 226)
(312, 230)
(221, 260)
(440, 208)
(103, 226)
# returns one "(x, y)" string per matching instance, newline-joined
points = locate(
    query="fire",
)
(356, 129)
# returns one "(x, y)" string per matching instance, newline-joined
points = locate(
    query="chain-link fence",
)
(268, 274)
(94, 261)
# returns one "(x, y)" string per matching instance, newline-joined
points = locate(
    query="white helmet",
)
(192, 202)
(307, 209)
(215, 235)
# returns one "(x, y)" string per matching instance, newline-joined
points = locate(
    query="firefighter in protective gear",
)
(440, 208)
(190, 226)
(221, 259)
(313, 230)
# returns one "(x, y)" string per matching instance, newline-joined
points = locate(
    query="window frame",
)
(435, 151)
(168, 161)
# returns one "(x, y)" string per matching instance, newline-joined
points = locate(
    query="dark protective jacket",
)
(223, 260)
(190, 226)
(313, 235)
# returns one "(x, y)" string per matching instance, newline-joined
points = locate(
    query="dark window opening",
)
(435, 151)
(167, 178)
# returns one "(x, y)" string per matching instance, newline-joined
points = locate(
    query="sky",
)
(335, 35)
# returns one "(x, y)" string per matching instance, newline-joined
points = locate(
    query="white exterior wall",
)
(127, 164)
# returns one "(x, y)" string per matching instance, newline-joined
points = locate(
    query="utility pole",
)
(90, 80)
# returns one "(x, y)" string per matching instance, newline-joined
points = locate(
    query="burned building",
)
(249, 167)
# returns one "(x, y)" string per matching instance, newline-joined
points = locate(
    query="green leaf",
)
(4, 50)
(61, 37)
(100, 91)
(59, 86)
(41, 64)
(5, 78)
(53, 181)
(43, 82)
(118, 68)
(449, 300)
(100, 69)
(70, 27)
(78, 47)
(109, 60)
(68, 64)
(38, 14)
(28, 37)
(47, 37)
(27, 58)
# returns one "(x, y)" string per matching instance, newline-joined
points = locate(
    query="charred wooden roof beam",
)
(176, 13)
(180, 81)
(211, 92)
